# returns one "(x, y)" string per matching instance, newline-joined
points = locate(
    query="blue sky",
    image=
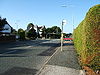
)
(45, 12)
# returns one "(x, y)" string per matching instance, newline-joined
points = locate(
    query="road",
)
(25, 57)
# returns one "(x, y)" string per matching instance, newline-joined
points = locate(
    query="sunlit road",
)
(25, 57)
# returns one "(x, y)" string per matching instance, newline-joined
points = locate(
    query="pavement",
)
(63, 63)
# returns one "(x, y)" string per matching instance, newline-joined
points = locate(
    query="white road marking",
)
(9, 52)
(28, 46)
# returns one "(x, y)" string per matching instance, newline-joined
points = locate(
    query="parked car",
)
(68, 40)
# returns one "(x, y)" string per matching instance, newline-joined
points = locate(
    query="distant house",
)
(37, 28)
(6, 32)
(41, 30)
(6, 29)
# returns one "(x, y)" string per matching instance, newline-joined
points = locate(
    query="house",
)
(38, 29)
(6, 32)
(5, 29)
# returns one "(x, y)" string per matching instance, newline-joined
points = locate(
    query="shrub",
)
(21, 33)
(87, 39)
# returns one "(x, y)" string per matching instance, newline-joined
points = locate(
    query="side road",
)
(63, 63)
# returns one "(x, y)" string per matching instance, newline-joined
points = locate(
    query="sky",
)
(19, 13)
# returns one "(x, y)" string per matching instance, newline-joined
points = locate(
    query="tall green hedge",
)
(87, 39)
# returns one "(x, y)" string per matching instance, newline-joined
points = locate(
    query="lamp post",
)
(63, 23)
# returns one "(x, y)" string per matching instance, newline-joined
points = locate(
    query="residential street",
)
(49, 37)
(25, 57)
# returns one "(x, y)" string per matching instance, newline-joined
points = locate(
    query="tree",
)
(30, 25)
(53, 32)
(21, 33)
(53, 29)
(2, 22)
(44, 32)
(31, 32)
(67, 35)
(56, 29)
(49, 30)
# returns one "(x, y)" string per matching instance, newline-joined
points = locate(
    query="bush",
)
(87, 39)
(21, 33)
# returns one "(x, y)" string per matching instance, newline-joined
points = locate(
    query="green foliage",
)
(53, 32)
(31, 34)
(21, 33)
(30, 25)
(3, 21)
(87, 38)
(53, 29)
(69, 35)
(48, 30)
(44, 32)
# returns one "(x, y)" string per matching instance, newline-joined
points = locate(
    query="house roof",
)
(6, 29)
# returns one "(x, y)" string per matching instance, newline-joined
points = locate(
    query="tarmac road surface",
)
(25, 57)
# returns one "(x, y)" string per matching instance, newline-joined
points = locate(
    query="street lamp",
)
(63, 23)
